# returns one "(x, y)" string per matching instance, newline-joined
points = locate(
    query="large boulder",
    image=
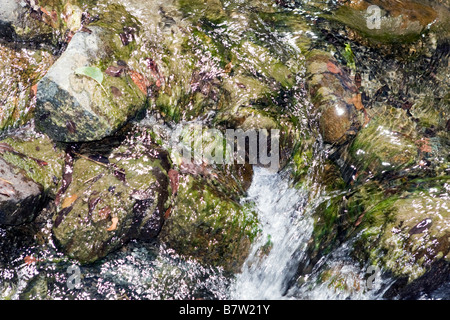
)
(206, 220)
(112, 199)
(400, 230)
(79, 106)
(392, 22)
(208, 226)
(400, 235)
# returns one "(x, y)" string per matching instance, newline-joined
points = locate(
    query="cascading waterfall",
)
(286, 227)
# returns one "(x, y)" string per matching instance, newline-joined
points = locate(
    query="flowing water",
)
(286, 228)
(152, 271)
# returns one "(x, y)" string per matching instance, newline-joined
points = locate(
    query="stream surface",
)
(150, 270)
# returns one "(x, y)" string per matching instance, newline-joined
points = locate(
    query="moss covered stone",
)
(111, 202)
(216, 65)
(20, 71)
(99, 109)
(208, 226)
(39, 157)
(407, 235)
(387, 143)
(20, 197)
(402, 229)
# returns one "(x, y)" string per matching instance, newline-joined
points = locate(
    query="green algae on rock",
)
(17, 97)
(63, 96)
(387, 143)
(407, 235)
(398, 21)
(402, 229)
(207, 70)
(111, 201)
(208, 226)
(39, 161)
(20, 198)
(39, 157)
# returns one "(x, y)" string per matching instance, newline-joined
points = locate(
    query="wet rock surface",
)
(389, 22)
(63, 95)
(20, 72)
(18, 25)
(387, 154)
(206, 225)
(20, 197)
(38, 156)
(334, 95)
(363, 115)
(111, 200)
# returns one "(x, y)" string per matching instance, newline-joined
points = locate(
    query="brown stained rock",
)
(335, 121)
(332, 92)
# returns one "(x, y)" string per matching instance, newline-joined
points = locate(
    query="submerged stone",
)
(388, 22)
(332, 90)
(411, 239)
(387, 143)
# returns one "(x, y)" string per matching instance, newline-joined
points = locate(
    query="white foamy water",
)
(287, 226)
(285, 232)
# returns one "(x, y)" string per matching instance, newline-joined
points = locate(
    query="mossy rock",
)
(406, 235)
(327, 220)
(244, 90)
(112, 201)
(63, 95)
(341, 279)
(188, 92)
(211, 10)
(42, 22)
(401, 228)
(39, 157)
(26, 68)
(431, 112)
(400, 22)
(386, 144)
(207, 71)
(286, 21)
(207, 156)
(208, 226)
(21, 198)
(257, 59)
